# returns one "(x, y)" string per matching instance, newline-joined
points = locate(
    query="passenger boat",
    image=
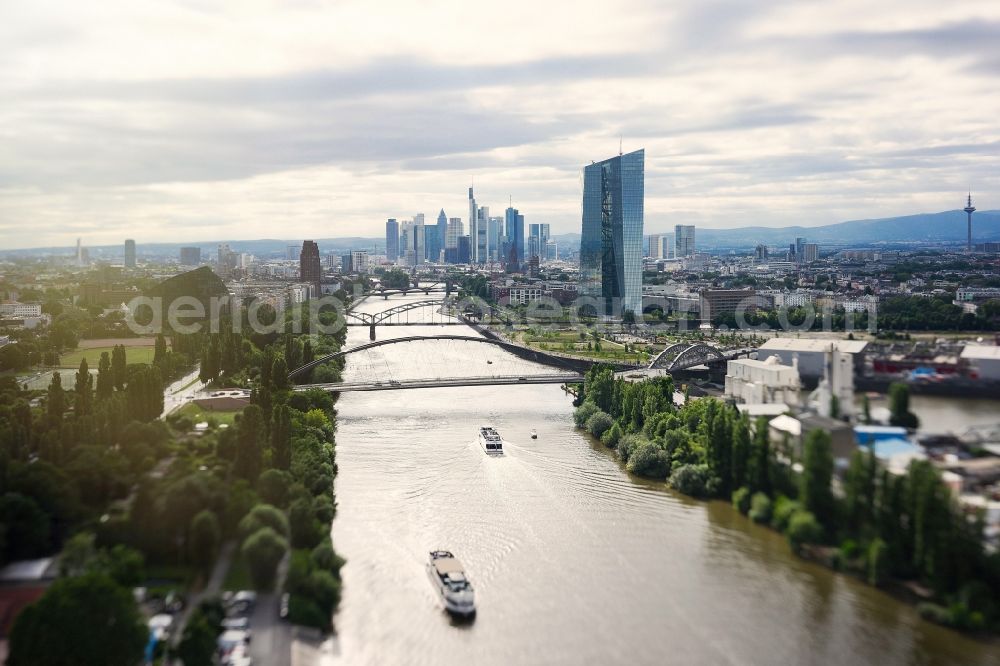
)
(448, 577)
(490, 440)
(534, 435)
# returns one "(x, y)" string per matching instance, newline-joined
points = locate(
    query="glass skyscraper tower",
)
(611, 242)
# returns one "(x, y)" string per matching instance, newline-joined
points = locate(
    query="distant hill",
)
(945, 227)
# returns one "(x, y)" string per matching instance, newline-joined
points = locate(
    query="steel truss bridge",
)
(430, 312)
(685, 355)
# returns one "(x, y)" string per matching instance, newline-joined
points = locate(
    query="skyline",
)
(225, 124)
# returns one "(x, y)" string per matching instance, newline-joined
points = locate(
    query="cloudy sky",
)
(202, 119)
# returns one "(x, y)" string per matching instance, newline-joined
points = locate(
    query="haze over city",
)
(205, 121)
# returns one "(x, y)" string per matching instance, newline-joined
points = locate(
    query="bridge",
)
(438, 287)
(424, 313)
(483, 380)
(685, 355)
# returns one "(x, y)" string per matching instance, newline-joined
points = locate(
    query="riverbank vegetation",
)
(91, 473)
(887, 529)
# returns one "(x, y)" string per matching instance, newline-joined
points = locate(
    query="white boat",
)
(449, 579)
(490, 440)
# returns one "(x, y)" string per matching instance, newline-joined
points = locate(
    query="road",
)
(272, 637)
(174, 397)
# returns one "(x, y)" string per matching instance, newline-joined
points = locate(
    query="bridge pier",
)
(371, 332)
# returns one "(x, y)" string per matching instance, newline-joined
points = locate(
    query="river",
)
(573, 560)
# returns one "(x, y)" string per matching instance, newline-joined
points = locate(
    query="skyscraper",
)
(455, 229)
(538, 237)
(514, 222)
(391, 240)
(309, 265)
(129, 253)
(683, 240)
(482, 238)
(800, 246)
(190, 256)
(442, 238)
(611, 241)
(969, 210)
(473, 225)
(495, 229)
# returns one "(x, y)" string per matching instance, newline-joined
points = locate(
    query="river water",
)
(574, 561)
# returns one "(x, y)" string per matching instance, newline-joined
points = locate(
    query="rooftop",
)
(814, 345)
(991, 352)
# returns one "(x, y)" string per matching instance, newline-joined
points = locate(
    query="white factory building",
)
(762, 382)
(983, 360)
(811, 354)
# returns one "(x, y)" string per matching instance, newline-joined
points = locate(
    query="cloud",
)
(150, 118)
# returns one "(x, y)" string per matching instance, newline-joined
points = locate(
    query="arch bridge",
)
(685, 355)
(446, 360)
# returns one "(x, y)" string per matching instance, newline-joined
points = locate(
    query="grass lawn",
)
(72, 359)
(197, 414)
(238, 576)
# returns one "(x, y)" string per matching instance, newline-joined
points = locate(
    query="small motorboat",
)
(489, 362)
(534, 435)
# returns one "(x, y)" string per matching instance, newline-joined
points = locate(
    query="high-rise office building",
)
(482, 238)
(292, 252)
(514, 223)
(683, 240)
(495, 232)
(455, 229)
(391, 240)
(359, 261)
(800, 243)
(473, 225)
(309, 266)
(810, 253)
(760, 253)
(611, 241)
(464, 250)
(129, 253)
(190, 256)
(442, 238)
(660, 246)
(538, 237)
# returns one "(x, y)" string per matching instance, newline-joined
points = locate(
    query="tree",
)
(719, 452)
(759, 464)
(105, 378)
(96, 622)
(263, 551)
(741, 452)
(55, 406)
(264, 515)
(859, 490)
(899, 406)
(205, 538)
(599, 423)
(248, 453)
(119, 367)
(160, 350)
(279, 374)
(27, 529)
(803, 528)
(305, 529)
(281, 437)
(817, 474)
(273, 487)
(198, 643)
(877, 562)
